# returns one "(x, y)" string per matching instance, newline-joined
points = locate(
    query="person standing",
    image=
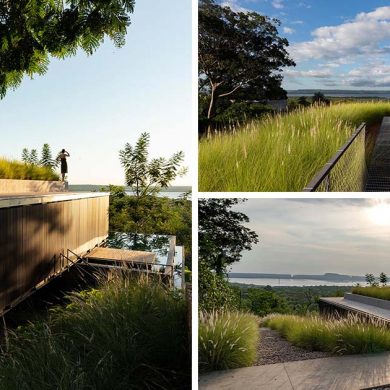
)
(64, 165)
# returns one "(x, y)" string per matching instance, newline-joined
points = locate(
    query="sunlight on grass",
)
(342, 336)
(13, 169)
(282, 152)
(373, 292)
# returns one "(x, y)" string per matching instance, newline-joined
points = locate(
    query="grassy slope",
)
(281, 153)
(18, 170)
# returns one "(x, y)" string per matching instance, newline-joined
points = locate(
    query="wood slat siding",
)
(33, 236)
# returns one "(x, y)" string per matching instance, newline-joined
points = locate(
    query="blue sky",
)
(314, 236)
(337, 44)
(93, 105)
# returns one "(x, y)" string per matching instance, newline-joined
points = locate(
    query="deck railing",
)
(346, 170)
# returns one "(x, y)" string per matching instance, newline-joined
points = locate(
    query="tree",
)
(383, 279)
(370, 279)
(302, 101)
(263, 302)
(151, 215)
(32, 31)
(34, 157)
(148, 177)
(319, 98)
(238, 52)
(25, 156)
(222, 236)
(47, 158)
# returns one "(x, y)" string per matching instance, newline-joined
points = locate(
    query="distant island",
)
(331, 277)
(341, 93)
(98, 187)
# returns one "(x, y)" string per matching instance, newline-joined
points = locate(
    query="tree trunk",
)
(211, 105)
(210, 111)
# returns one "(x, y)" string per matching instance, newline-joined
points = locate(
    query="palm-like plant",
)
(148, 177)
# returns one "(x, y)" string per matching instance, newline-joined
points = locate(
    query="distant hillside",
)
(332, 277)
(98, 187)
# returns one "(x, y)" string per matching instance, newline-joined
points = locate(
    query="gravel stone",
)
(274, 349)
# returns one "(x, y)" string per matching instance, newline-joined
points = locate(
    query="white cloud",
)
(297, 22)
(304, 5)
(371, 75)
(362, 36)
(235, 6)
(318, 74)
(288, 30)
(330, 65)
(278, 4)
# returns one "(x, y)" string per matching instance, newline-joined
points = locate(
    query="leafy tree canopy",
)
(151, 215)
(215, 292)
(239, 54)
(148, 177)
(33, 30)
(319, 98)
(263, 302)
(222, 235)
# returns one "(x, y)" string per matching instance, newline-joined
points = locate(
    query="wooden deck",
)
(379, 169)
(120, 255)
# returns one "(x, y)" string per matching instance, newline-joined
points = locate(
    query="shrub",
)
(125, 334)
(18, 170)
(348, 335)
(215, 292)
(283, 152)
(374, 292)
(227, 339)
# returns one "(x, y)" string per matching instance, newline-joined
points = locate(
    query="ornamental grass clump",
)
(125, 334)
(13, 169)
(227, 339)
(373, 292)
(349, 335)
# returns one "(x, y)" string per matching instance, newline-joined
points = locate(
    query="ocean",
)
(289, 282)
(97, 187)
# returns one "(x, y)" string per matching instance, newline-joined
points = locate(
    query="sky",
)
(336, 44)
(315, 236)
(93, 105)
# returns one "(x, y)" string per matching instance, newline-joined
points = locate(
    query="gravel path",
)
(274, 349)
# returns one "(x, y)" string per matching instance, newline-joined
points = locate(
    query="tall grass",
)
(342, 336)
(125, 335)
(13, 169)
(227, 339)
(374, 292)
(282, 152)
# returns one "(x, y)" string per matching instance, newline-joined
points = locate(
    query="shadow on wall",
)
(31, 240)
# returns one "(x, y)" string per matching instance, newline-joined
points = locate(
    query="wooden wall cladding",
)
(32, 237)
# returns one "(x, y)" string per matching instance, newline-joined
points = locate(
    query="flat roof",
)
(25, 199)
(124, 255)
(358, 307)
